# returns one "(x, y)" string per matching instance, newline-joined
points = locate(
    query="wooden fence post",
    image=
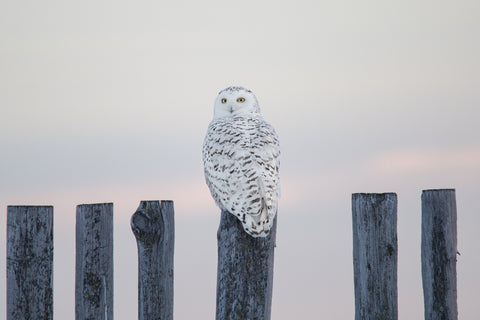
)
(439, 254)
(375, 252)
(94, 262)
(245, 271)
(29, 262)
(154, 229)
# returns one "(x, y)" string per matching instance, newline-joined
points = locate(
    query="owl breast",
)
(241, 161)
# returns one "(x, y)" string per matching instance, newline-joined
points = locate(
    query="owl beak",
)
(231, 109)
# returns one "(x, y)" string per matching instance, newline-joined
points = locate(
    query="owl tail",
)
(261, 216)
(257, 225)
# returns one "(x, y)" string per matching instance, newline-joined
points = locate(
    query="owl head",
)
(235, 102)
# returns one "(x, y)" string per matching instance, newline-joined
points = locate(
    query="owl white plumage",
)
(241, 156)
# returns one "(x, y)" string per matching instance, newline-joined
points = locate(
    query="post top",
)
(439, 190)
(373, 194)
(30, 206)
(96, 204)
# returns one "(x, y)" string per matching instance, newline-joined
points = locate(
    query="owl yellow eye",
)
(224, 100)
(241, 100)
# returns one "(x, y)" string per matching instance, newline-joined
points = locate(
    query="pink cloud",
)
(426, 160)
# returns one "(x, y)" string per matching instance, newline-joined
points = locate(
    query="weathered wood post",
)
(375, 255)
(154, 228)
(94, 262)
(245, 271)
(29, 262)
(439, 254)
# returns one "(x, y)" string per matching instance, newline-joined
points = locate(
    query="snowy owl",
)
(241, 156)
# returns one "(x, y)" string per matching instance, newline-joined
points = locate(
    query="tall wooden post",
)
(439, 254)
(375, 252)
(94, 262)
(29, 262)
(245, 272)
(154, 229)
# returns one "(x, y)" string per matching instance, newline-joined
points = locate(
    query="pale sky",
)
(109, 101)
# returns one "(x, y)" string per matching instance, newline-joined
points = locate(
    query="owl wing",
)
(267, 154)
(241, 161)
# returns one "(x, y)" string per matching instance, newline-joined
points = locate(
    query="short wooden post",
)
(375, 255)
(245, 272)
(29, 262)
(153, 227)
(94, 262)
(439, 254)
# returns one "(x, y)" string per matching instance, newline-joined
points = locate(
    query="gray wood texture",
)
(245, 271)
(439, 254)
(29, 262)
(154, 229)
(375, 253)
(94, 262)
